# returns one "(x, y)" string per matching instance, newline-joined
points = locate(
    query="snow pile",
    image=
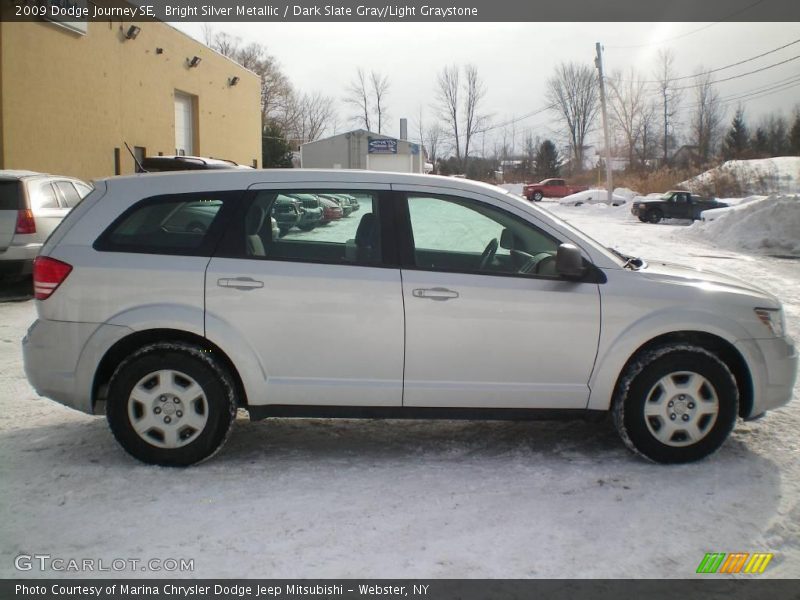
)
(593, 196)
(625, 193)
(779, 175)
(770, 224)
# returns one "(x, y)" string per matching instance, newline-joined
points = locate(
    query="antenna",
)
(136, 160)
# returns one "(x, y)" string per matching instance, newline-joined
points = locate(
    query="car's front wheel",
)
(537, 196)
(676, 404)
(171, 404)
(654, 215)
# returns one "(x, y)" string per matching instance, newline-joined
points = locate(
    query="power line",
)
(687, 34)
(777, 64)
(736, 64)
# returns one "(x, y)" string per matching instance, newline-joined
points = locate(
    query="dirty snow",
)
(759, 176)
(595, 196)
(323, 498)
(770, 225)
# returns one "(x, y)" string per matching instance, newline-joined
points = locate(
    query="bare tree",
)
(707, 116)
(358, 97)
(572, 92)
(432, 141)
(627, 105)
(459, 107)
(309, 116)
(276, 90)
(474, 93)
(670, 95)
(447, 90)
(380, 89)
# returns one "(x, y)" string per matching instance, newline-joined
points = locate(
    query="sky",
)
(516, 59)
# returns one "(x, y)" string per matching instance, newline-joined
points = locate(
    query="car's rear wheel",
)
(537, 196)
(676, 404)
(654, 215)
(171, 403)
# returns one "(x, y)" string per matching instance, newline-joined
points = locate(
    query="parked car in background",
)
(287, 211)
(431, 309)
(312, 211)
(676, 204)
(550, 188)
(155, 164)
(331, 211)
(31, 207)
(342, 202)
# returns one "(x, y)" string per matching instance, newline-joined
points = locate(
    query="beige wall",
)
(68, 100)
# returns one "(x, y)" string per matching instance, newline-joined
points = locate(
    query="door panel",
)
(503, 342)
(490, 333)
(325, 334)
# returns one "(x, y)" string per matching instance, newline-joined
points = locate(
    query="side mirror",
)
(569, 262)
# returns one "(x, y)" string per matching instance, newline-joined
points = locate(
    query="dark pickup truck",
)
(676, 204)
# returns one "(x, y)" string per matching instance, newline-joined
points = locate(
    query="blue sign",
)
(382, 146)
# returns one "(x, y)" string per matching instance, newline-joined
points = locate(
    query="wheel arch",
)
(137, 339)
(726, 352)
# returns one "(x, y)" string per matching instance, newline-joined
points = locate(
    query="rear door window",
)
(184, 224)
(331, 238)
(67, 193)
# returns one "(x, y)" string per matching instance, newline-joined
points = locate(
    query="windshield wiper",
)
(631, 262)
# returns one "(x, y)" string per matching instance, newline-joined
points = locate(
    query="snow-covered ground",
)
(757, 176)
(323, 498)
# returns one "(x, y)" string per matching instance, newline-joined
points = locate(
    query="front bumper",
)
(773, 367)
(61, 359)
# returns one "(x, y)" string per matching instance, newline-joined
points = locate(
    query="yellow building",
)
(71, 95)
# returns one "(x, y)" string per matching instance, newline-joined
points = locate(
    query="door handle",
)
(436, 293)
(240, 283)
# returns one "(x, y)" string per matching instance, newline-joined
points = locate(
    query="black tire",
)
(654, 215)
(642, 219)
(537, 196)
(640, 388)
(284, 230)
(218, 397)
(306, 227)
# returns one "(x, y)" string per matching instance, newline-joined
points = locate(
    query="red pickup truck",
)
(550, 188)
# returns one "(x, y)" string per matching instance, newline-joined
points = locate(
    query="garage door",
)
(184, 124)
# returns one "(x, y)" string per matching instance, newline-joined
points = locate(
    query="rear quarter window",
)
(183, 224)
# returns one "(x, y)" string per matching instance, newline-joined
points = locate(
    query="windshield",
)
(666, 196)
(614, 255)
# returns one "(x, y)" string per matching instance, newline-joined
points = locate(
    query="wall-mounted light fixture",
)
(194, 61)
(133, 32)
(159, 51)
(233, 81)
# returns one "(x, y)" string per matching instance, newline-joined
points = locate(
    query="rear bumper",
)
(61, 359)
(773, 367)
(18, 260)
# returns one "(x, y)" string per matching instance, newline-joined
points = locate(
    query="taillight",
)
(25, 222)
(48, 274)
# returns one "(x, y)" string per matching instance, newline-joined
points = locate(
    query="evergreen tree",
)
(547, 162)
(794, 135)
(738, 138)
(276, 153)
(761, 143)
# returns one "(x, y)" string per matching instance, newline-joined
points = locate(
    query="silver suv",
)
(31, 207)
(444, 299)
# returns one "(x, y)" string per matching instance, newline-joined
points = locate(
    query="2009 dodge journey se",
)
(167, 302)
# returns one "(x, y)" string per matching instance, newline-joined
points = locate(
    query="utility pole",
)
(598, 62)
